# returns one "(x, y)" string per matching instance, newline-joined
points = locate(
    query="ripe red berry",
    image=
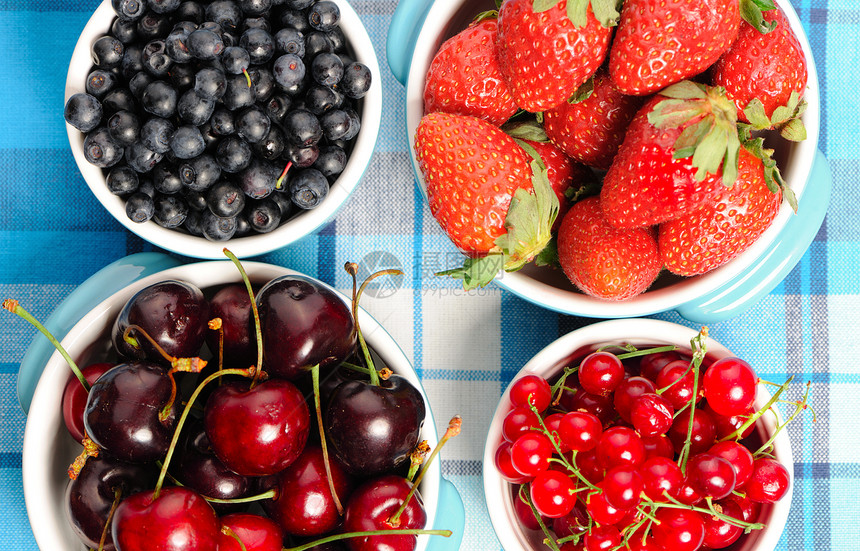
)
(530, 453)
(531, 389)
(711, 476)
(552, 493)
(580, 430)
(622, 487)
(678, 529)
(661, 476)
(620, 446)
(769, 481)
(730, 386)
(600, 373)
(651, 415)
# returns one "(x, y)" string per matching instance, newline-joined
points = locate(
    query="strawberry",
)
(660, 42)
(603, 261)
(680, 148)
(464, 76)
(765, 74)
(712, 235)
(490, 197)
(591, 129)
(547, 48)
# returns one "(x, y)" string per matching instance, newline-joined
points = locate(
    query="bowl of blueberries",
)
(198, 123)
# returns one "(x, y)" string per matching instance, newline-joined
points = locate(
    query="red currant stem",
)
(117, 497)
(549, 540)
(392, 532)
(454, 426)
(675, 504)
(217, 324)
(258, 332)
(688, 442)
(279, 182)
(13, 306)
(798, 408)
(315, 379)
(646, 351)
(558, 387)
(227, 531)
(629, 531)
(755, 416)
(270, 494)
(249, 372)
(554, 438)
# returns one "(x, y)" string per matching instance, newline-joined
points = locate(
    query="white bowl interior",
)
(300, 225)
(551, 360)
(48, 448)
(550, 288)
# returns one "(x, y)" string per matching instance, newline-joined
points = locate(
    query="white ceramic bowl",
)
(707, 298)
(301, 224)
(549, 362)
(49, 449)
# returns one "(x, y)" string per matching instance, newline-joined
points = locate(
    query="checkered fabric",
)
(466, 346)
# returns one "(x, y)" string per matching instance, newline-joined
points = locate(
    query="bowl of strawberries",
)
(616, 163)
(639, 434)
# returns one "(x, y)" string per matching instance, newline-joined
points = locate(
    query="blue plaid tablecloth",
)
(466, 347)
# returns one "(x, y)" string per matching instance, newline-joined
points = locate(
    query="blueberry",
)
(259, 178)
(324, 15)
(196, 200)
(210, 83)
(225, 199)
(176, 45)
(210, 138)
(263, 83)
(288, 70)
(163, 6)
(118, 99)
(131, 60)
(225, 13)
(308, 188)
(159, 99)
(295, 18)
(233, 154)
(155, 59)
(317, 42)
(302, 127)
(122, 180)
(256, 23)
(272, 145)
(205, 44)
(165, 179)
(259, 44)
(146, 186)
(100, 149)
(192, 223)
(190, 11)
(335, 124)
(264, 216)
(187, 142)
(215, 228)
(236, 60)
(124, 30)
(199, 173)
(277, 107)
(331, 161)
(106, 52)
(290, 41)
(355, 123)
(327, 69)
(128, 9)
(182, 76)
(253, 124)
(156, 134)
(301, 157)
(254, 7)
(124, 127)
(338, 40)
(138, 83)
(319, 99)
(223, 123)
(139, 207)
(194, 109)
(83, 111)
(100, 82)
(283, 201)
(243, 228)
(170, 211)
(356, 80)
(140, 158)
(238, 94)
(153, 25)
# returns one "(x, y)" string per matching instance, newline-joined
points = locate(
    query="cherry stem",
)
(358, 368)
(258, 331)
(280, 180)
(548, 540)
(90, 450)
(269, 494)
(798, 407)
(454, 426)
(249, 372)
(416, 459)
(217, 324)
(393, 532)
(315, 378)
(227, 531)
(117, 497)
(755, 416)
(13, 306)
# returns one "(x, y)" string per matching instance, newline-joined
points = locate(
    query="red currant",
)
(658, 446)
(599, 406)
(711, 475)
(678, 529)
(622, 487)
(530, 453)
(651, 415)
(687, 494)
(519, 421)
(627, 392)
(620, 446)
(768, 482)
(661, 476)
(730, 386)
(575, 522)
(552, 494)
(506, 469)
(600, 373)
(749, 508)
(675, 382)
(553, 422)
(580, 430)
(738, 456)
(589, 466)
(726, 426)
(600, 510)
(718, 532)
(602, 538)
(703, 434)
(524, 513)
(531, 389)
(651, 364)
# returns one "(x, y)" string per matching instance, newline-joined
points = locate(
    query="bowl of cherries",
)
(227, 405)
(639, 434)
(196, 123)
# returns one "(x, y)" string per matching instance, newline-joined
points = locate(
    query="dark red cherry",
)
(372, 505)
(233, 305)
(257, 533)
(257, 431)
(304, 324)
(90, 497)
(304, 505)
(174, 313)
(127, 412)
(75, 398)
(179, 519)
(373, 429)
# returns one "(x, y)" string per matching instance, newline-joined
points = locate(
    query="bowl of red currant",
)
(226, 405)
(197, 123)
(639, 434)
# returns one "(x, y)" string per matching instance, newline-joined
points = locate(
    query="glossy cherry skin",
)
(197, 467)
(178, 520)
(370, 507)
(768, 482)
(730, 385)
(124, 412)
(75, 398)
(174, 313)
(257, 431)
(304, 505)
(90, 496)
(503, 463)
(718, 532)
(678, 529)
(531, 389)
(373, 429)
(552, 493)
(256, 533)
(233, 305)
(712, 476)
(304, 324)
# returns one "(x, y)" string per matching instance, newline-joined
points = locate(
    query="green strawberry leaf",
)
(772, 176)
(573, 194)
(577, 11)
(526, 130)
(527, 147)
(549, 255)
(686, 89)
(793, 131)
(486, 15)
(691, 136)
(583, 92)
(477, 272)
(751, 12)
(539, 6)
(785, 118)
(606, 11)
(756, 114)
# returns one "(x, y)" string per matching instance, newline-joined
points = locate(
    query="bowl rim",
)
(300, 225)
(497, 491)
(669, 297)
(45, 423)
